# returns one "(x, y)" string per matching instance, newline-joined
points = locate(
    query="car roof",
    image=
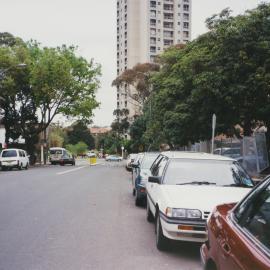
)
(57, 148)
(195, 155)
(12, 149)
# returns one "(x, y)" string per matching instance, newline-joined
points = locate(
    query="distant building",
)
(95, 131)
(144, 29)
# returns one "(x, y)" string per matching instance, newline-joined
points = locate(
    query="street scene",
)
(135, 134)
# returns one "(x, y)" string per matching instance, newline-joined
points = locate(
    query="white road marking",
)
(73, 170)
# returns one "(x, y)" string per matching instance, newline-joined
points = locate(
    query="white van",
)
(56, 154)
(14, 158)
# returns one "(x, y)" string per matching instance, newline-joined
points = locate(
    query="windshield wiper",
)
(238, 185)
(196, 183)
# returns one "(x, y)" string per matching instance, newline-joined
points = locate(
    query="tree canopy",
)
(225, 71)
(50, 82)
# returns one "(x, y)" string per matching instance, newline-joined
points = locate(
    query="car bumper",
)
(6, 164)
(141, 192)
(184, 230)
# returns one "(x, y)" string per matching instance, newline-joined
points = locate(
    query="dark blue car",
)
(141, 172)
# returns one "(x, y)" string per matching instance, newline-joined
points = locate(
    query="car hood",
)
(201, 197)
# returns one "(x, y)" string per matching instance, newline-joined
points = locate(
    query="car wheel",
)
(149, 215)
(210, 266)
(138, 201)
(26, 167)
(20, 167)
(133, 192)
(161, 240)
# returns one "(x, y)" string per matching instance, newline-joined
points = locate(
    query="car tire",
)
(161, 240)
(20, 167)
(210, 266)
(138, 201)
(149, 215)
(133, 192)
(26, 167)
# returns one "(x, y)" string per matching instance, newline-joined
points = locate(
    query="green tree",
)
(80, 132)
(136, 82)
(225, 71)
(55, 81)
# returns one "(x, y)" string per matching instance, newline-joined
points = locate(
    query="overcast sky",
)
(91, 25)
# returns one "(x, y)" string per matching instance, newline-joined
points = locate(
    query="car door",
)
(153, 188)
(239, 243)
(136, 170)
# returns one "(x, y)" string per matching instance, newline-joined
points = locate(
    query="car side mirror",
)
(154, 179)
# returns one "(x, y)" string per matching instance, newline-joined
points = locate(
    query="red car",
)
(239, 234)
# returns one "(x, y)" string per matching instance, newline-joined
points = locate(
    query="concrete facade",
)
(144, 29)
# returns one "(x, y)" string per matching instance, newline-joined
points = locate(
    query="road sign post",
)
(214, 121)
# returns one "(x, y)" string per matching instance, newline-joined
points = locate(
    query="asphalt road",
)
(79, 218)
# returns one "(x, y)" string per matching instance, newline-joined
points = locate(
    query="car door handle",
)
(226, 248)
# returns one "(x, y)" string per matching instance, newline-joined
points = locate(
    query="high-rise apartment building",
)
(144, 29)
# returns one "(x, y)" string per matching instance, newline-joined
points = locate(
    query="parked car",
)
(114, 158)
(130, 160)
(135, 168)
(14, 158)
(141, 177)
(183, 190)
(67, 158)
(59, 155)
(234, 152)
(239, 235)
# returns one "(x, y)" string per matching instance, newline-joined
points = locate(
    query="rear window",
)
(9, 153)
(56, 152)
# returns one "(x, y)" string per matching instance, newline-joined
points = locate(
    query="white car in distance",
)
(14, 158)
(183, 190)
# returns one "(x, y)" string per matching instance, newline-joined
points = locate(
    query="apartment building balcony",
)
(168, 25)
(153, 4)
(168, 16)
(153, 49)
(186, 8)
(153, 14)
(168, 7)
(168, 34)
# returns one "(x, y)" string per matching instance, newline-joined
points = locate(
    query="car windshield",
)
(9, 153)
(148, 160)
(216, 172)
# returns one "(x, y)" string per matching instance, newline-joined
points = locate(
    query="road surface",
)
(79, 218)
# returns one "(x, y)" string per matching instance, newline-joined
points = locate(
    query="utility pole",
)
(214, 121)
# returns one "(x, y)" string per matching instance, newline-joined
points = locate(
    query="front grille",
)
(206, 214)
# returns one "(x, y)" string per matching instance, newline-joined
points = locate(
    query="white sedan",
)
(114, 158)
(183, 190)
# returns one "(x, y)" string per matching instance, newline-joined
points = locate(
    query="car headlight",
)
(183, 213)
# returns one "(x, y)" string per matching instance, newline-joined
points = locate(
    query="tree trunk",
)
(247, 128)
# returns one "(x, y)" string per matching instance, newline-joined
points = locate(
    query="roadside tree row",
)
(38, 83)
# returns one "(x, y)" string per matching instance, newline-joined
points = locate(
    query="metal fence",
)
(251, 152)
